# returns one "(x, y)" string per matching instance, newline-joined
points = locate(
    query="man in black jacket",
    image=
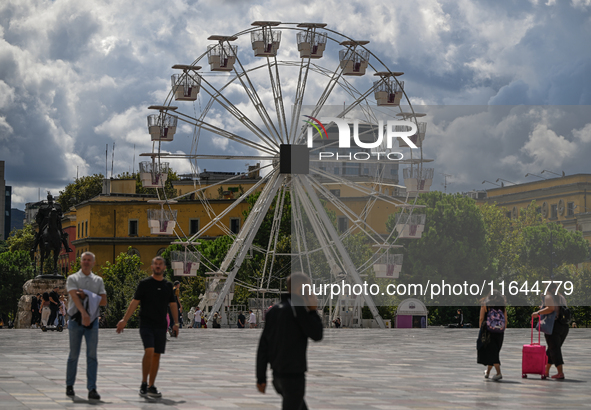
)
(284, 342)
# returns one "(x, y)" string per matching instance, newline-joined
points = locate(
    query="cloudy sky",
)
(76, 76)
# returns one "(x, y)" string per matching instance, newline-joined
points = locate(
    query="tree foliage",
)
(121, 279)
(453, 243)
(15, 270)
(83, 189)
(21, 239)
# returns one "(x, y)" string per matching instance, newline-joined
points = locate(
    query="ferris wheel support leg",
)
(347, 262)
(244, 239)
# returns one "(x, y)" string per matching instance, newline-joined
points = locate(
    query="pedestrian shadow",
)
(80, 400)
(503, 381)
(570, 381)
(166, 402)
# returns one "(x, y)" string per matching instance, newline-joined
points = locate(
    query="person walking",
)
(54, 305)
(284, 342)
(554, 301)
(191, 317)
(252, 320)
(44, 309)
(493, 315)
(35, 310)
(154, 295)
(87, 293)
(241, 320)
(197, 317)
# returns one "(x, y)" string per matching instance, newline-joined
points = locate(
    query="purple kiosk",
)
(411, 313)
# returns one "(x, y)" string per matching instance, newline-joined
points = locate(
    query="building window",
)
(342, 224)
(133, 251)
(132, 223)
(508, 214)
(86, 228)
(336, 171)
(554, 211)
(193, 226)
(7, 192)
(160, 251)
(336, 192)
(538, 209)
(78, 231)
(570, 208)
(235, 225)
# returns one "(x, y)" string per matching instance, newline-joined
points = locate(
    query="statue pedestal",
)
(30, 289)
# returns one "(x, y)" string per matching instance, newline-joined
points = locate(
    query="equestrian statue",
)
(50, 236)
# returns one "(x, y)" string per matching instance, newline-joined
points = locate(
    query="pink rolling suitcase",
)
(534, 357)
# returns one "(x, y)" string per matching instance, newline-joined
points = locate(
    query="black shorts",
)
(153, 338)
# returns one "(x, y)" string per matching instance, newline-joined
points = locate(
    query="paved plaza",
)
(432, 368)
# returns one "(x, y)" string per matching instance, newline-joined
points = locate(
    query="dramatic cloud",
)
(78, 76)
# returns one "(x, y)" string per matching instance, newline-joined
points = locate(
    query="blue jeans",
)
(76, 333)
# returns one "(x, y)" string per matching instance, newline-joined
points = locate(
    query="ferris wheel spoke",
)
(244, 239)
(256, 101)
(299, 98)
(275, 80)
(223, 133)
(207, 156)
(216, 95)
(347, 212)
(358, 187)
(299, 231)
(274, 237)
(347, 262)
(241, 198)
(317, 226)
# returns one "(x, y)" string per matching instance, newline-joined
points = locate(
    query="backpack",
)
(495, 321)
(564, 315)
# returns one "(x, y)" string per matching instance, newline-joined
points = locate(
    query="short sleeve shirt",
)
(155, 297)
(79, 280)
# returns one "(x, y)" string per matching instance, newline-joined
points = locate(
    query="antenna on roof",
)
(106, 160)
(112, 158)
(133, 167)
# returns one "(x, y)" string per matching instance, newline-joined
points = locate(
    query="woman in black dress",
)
(493, 311)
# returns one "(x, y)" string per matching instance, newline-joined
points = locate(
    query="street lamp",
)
(490, 182)
(535, 175)
(501, 179)
(563, 174)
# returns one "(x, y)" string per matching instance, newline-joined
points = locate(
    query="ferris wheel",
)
(247, 100)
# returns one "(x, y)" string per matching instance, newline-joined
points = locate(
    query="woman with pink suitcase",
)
(555, 335)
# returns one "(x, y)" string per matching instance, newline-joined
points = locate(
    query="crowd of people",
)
(49, 309)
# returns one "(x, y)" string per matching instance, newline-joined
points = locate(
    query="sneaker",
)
(93, 395)
(153, 392)
(70, 391)
(144, 389)
(558, 376)
(486, 374)
(497, 377)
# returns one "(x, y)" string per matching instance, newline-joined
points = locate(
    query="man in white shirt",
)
(80, 324)
(252, 320)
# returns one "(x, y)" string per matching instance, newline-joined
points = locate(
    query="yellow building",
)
(116, 220)
(560, 199)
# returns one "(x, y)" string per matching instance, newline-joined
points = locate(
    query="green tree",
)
(566, 248)
(83, 189)
(452, 246)
(21, 239)
(121, 279)
(15, 270)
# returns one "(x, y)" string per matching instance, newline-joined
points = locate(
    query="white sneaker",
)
(486, 374)
(497, 377)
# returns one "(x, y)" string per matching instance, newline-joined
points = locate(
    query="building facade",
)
(565, 200)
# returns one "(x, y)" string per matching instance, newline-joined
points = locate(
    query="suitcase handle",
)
(532, 332)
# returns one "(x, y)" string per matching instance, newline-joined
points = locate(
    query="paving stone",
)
(432, 368)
